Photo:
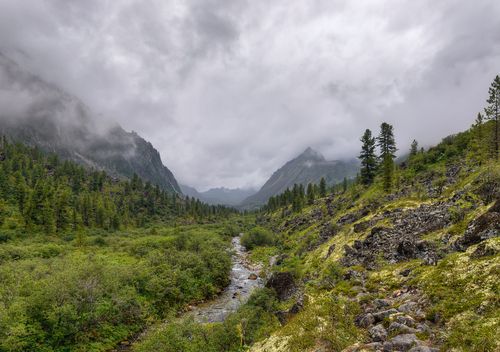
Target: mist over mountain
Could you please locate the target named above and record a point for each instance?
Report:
(220, 195)
(40, 114)
(308, 167)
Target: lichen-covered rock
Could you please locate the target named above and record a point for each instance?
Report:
(283, 283)
(423, 349)
(401, 242)
(485, 249)
(380, 316)
(378, 333)
(365, 320)
(404, 342)
(401, 328)
(484, 227)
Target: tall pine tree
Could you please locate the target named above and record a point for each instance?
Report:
(322, 187)
(387, 146)
(368, 158)
(493, 113)
(414, 148)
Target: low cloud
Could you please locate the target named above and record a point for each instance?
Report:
(229, 90)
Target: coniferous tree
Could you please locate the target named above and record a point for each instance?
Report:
(310, 193)
(322, 187)
(368, 158)
(478, 137)
(344, 185)
(387, 147)
(493, 113)
(414, 148)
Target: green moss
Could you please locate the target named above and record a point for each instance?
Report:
(327, 319)
(464, 296)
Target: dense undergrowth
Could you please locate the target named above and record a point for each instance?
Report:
(88, 260)
(87, 294)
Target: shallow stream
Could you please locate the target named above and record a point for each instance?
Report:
(244, 279)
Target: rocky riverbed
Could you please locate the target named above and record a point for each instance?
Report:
(244, 279)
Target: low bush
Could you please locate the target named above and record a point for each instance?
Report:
(257, 237)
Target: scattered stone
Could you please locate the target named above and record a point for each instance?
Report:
(484, 227)
(365, 320)
(485, 249)
(283, 283)
(330, 251)
(327, 231)
(378, 333)
(408, 307)
(387, 347)
(374, 346)
(297, 306)
(401, 328)
(401, 242)
(423, 328)
(404, 342)
(405, 320)
(364, 225)
(423, 349)
(384, 314)
(381, 303)
(252, 276)
(405, 272)
(353, 274)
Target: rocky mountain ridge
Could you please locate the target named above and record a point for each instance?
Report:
(220, 195)
(308, 167)
(58, 122)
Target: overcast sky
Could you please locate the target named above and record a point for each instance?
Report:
(228, 90)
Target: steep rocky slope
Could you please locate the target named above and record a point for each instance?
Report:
(47, 117)
(308, 167)
(414, 270)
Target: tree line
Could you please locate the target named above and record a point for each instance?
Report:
(42, 192)
(485, 142)
(377, 156)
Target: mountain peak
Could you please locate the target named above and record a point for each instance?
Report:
(312, 154)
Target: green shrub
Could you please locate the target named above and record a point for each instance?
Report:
(257, 237)
(4, 237)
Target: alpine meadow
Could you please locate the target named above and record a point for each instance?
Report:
(229, 176)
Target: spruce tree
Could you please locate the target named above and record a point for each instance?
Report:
(310, 194)
(368, 158)
(387, 147)
(493, 113)
(322, 187)
(414, 148)
(478, 136)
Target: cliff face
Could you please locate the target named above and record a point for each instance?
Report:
(40, 114)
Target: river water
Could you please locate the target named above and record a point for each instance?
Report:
(244, 279)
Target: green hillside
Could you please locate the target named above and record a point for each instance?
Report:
(403, 258)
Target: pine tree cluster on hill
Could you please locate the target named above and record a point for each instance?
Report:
(43, 193)
(479, 144)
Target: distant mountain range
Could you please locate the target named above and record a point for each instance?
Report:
(40, 114)
(308, 167)
(226, 196)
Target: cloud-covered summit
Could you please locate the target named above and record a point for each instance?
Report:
(229, 90)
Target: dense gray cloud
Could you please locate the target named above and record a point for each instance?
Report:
(228, 90)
